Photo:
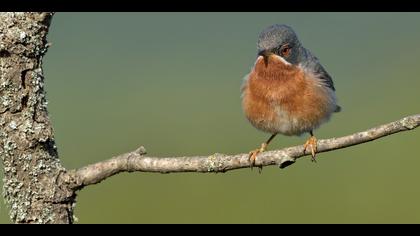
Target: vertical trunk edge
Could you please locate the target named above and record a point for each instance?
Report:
(36, 186)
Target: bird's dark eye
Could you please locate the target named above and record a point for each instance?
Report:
(285, 51)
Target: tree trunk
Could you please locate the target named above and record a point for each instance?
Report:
(33, 175)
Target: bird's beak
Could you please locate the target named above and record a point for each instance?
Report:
(266, 54)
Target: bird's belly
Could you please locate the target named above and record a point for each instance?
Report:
(289, 113)
(275, 118)
(292, 123)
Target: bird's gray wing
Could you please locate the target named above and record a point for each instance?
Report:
(311, 62)
(324, 76)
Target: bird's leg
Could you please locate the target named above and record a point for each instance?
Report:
(253, 154)
(312, 143)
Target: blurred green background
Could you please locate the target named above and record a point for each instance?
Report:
(170, 82)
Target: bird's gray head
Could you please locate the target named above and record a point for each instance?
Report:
(280, 40)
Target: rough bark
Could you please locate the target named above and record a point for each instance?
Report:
(37, 187)
(31, 184)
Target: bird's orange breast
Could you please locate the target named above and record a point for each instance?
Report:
(282, 98)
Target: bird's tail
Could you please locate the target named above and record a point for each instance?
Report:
(337, 109)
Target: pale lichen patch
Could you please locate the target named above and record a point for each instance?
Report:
(409, 123)
(13, 124)
(214, 163)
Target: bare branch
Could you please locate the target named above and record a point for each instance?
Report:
(137, 161)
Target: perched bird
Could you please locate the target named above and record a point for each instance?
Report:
(287, 91)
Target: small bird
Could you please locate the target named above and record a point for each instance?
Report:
(287, 91)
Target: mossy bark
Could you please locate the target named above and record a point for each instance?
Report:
(34, 185)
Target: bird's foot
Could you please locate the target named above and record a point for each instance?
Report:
(253, 155)
(312, 144)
